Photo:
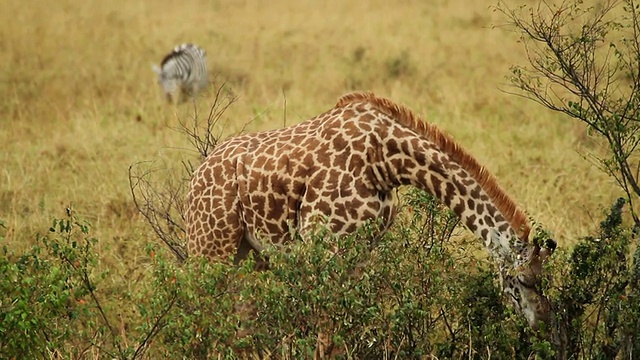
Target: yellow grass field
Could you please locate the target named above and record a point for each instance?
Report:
(80, 102)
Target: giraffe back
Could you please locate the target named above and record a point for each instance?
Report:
(261, 186)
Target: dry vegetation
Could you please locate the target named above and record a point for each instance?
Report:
(80, 102)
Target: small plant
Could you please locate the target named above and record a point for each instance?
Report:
(413, 294)
(48, 295)
(197, 300)
(50, 306)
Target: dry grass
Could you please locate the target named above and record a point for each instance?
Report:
(80, 103)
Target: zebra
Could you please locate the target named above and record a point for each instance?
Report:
(183, 73)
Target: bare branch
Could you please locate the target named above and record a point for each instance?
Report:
(163, 207)
(205, 137)
(159, 190)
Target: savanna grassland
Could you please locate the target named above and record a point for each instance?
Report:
(80, 103)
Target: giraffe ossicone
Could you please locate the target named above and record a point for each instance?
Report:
(342, 166)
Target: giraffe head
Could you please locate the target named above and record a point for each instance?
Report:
(522, 281)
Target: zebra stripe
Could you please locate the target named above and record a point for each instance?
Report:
(183, 73)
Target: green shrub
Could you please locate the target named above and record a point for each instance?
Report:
(45, 295)
(412, 293)
(196, 301)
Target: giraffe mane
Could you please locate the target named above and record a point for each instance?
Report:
(403, 115)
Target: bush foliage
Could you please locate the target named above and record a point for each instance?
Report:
(416, 293)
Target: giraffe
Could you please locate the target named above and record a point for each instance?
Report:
(341, 167)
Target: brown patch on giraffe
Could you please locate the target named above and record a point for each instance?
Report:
(278, 185)
(476, 191)
(339, 142)
(324, 156)
(397, 164)
(393, 147)
(276, 207)
(273, 228)
(467, 181)
(311, 194)
(355, 164)
(352, 131)
(347, 114)
(346, 192)
(398, 133)
(324, 207)
(338, 224)
(422, 174)
(329, 132)
(507, 206)
(351, 228)
(472, 224)
(461, 188)
(450, 191)
(258, 200)
(359, 146)
(368, 215)
(318, 177)
(409, 165)
(353, 206)
(218, 213)
(207, 175)
(407, 148)
(435, 180)
(436, 168)
(341, 159)
(471, 205)
(459, 208)
(489, 221)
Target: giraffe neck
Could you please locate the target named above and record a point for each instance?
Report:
(401, 149)
(408, 150)
(455, 188)
(417, 161)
